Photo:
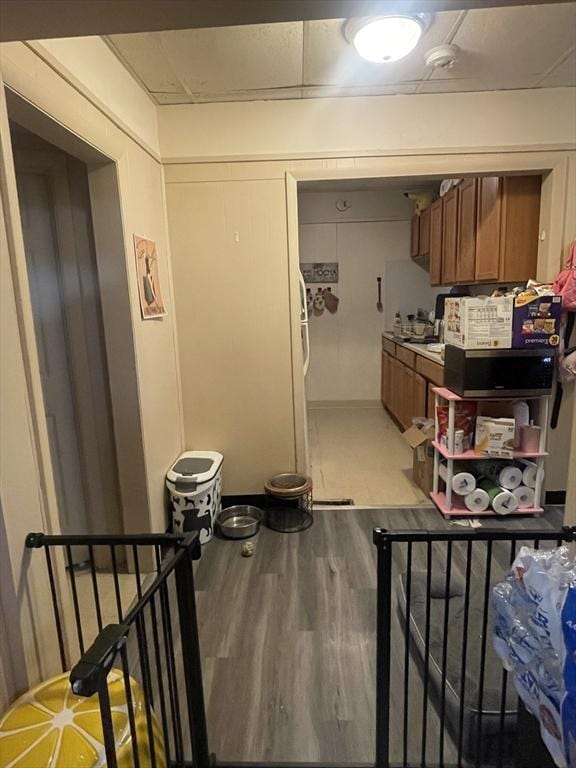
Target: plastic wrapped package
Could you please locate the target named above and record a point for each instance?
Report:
(535, 637)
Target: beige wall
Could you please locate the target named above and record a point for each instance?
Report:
(140, 180)
(215, 154)
(368, 125)
(89, 64)
(230, 264)
(27, 495)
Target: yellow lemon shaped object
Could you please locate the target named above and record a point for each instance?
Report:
(51, 727)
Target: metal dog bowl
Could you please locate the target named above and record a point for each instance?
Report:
(240, 521)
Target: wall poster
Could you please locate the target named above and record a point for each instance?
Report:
(151, 302)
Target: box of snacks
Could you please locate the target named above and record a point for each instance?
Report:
(536, 318)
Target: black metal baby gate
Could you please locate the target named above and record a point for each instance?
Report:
(443, 700)
(153, 637)
(442, 696)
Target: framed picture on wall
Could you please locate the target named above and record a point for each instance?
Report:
(151, 302)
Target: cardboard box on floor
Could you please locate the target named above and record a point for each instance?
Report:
(419, 438)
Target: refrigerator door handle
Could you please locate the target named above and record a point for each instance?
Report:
(303, 302)
(306, 346)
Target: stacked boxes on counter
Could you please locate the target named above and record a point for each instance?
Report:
(523, 319)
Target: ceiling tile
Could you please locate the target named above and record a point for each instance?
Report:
(563, 74)
(330, 60)
(500, 45)
(236, 58)
(144, 56)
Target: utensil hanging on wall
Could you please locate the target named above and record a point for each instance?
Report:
(379, 305)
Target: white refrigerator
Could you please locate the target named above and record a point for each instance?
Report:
(304, 327)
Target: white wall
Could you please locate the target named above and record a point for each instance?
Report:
(371, 239)
(368, 124)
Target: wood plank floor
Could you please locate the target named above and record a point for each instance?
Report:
(288, 641)
(359, 453)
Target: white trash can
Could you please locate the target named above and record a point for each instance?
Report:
(194, 484)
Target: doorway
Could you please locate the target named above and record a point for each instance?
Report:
(66, 306)
(354, 255)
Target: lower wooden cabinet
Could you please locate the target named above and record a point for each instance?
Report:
(420, 395)
(405, 391)
(431, 401)
(407, 395)
(385, 383)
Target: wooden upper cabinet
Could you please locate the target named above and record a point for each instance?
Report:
(507, 228)
(415, 237)
(519, 228)
(489, 228)
(436, 242)
(450, 236)
(424, 233)
(466, 248)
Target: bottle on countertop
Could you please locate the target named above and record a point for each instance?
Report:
(397, 325)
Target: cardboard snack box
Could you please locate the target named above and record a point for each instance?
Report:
(479, 322)
(536, 322)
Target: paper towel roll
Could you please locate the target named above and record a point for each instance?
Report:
(477, 501)
(525, 496)
(462, 482)
(502, 500)
(529, 472)
(508, 476)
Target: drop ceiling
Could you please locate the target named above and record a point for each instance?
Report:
(501, 48)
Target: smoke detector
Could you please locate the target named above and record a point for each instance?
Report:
(442, 56)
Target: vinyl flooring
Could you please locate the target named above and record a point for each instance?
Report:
(359, 453)
(288, 641)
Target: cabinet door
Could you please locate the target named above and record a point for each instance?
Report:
(395, 388)
(431, 404)
(466, 250)
(420, 392)
(385, 383)
(436, 242)
(407, 396)
(449, 236)
(424, 233)
(415, 237)
(488, 228)
(520, 224)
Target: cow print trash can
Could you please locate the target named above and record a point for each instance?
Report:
(194, 484)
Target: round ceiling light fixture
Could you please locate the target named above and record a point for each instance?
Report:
(384, 39)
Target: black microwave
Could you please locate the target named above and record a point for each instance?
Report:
(494, 372)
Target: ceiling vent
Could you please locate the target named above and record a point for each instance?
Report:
(442, 56)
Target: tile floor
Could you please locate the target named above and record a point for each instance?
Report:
(357, 452)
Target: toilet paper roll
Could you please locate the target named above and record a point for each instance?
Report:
(463, 483)
(529, 472)
(525, 496)
(507, 476)
(502, 500)
(477, 501)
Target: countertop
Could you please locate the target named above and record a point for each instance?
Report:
(420, 349)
